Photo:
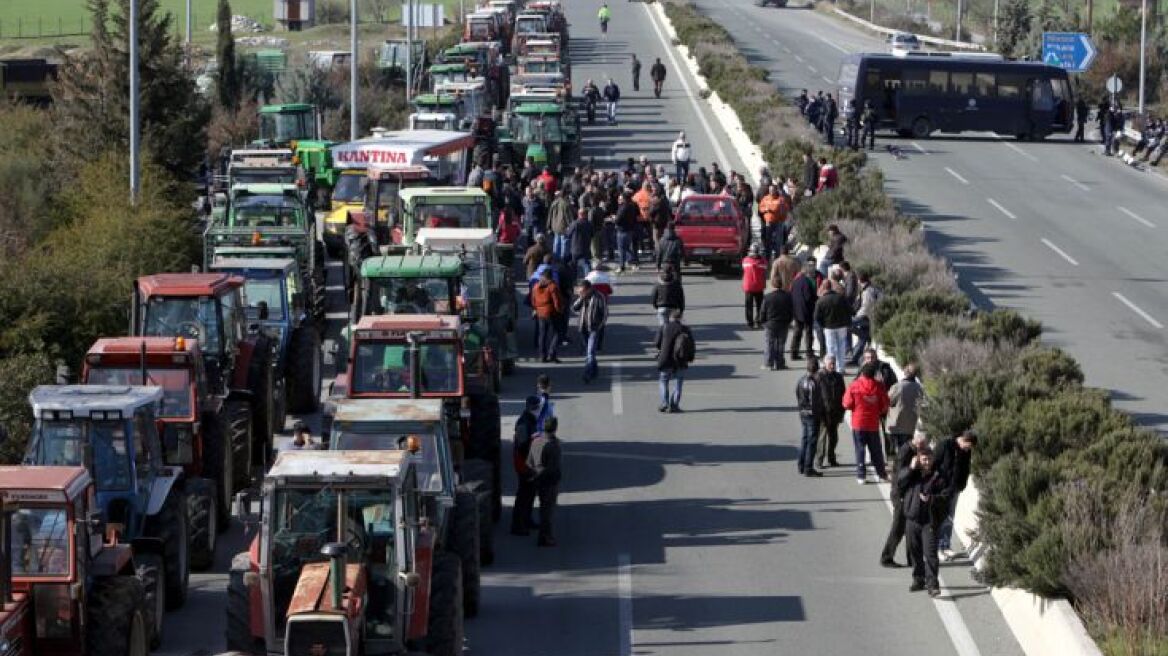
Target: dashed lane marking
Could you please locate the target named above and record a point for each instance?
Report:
(1001, 209)
(1061, 253)
(1135, 308)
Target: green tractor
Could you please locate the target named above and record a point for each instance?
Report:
(546, 132)
(298, 126)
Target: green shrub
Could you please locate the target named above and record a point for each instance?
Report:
(903, 333)
(924, 301)
(1002, 326)
(1135, 456)
(1048, 369)
(18, 375)
(956, 399)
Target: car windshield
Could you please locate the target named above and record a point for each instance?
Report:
(304, 520)
(193, 318)
(384, 367)
(60, 443)
(352, 436)
(175, 384)
(452, 216)
(408, 296)
(39, 542)
(707, 212)
(350, 187)
(265, 290)
(265, 211)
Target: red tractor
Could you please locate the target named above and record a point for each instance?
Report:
(239, 360)
(201, 432)
(64, 591)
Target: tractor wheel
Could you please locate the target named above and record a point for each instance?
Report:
(444, 634)
(170, 526)
(217, 463)
(116, 624)
(239, 436)
(149, 568)
(264, 388)
(509, 367)
(476, 477)
(303, 377)
(204, 518)
(486, 443)
(239, 637)
(463, 541)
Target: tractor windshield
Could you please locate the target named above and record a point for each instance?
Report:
(452, 216)
(61, 442)
(350, 187)
(379, 436)
(39, 542)
(266, 290)
(262, 176)
(175, 384)
(286, 126)
(193, 318)
(265, 211)
(537, 129)
(304, 520)
(408, 296)
(384, 367)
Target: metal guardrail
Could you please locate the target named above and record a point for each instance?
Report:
(923, 38)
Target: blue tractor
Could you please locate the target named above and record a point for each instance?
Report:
(112, 431)
(274, 295)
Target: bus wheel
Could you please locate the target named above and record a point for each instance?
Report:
(921, 128)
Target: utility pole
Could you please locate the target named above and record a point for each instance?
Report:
(408, 5)
(1143, 49)
(135, 181)
(958, 21)
(188, 39)
(996, 22)
(1090, 14)
(352, 70)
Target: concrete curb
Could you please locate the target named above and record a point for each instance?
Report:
(1042, 627)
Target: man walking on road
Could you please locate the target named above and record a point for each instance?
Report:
(868, 402)
(548, 305)
(754, 275)
(668, 296)
(1081, 112)
(627, 218)
(675, 346)
(545, 460)
(831, 383)
(803, 295)
(681, 154)
(612, 95)
(953, 460)
(670, 249)
(560, 216)
(775, 318)
(903, 403)
(835, 317)
(636, 71)
(593, 310)
(809, 399)
(657, 72)
(904, 456)
(921, 487)
(784, 269)
(579, 239)
(526, 427)
(604, 15)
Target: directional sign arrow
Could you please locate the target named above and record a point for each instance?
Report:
(1088, 52)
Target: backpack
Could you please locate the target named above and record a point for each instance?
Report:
(684, 349)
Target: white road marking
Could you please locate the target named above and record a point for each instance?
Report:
(957, 175)
(685, 85)
(918, 147)
(618, 402)
(798, 59)
(1135, 308)
(1075, 182)
(833, 45)
(775, 41)
(1002, 209)
(337, 316)
(1021, 152)
(1137, 217)
(828, 80)
(1061, 252)
(812, 69)
(624, 582)
(786, 50)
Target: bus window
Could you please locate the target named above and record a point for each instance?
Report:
(1041, 97)
(961, 84)
(938, 81)
(1010, 86)
(916, 83)
(984, 82)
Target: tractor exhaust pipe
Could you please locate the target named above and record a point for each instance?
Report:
(335, 552)
(135, 309)
(142, 363)
(415, 354)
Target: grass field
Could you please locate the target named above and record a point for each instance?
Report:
(52, 17)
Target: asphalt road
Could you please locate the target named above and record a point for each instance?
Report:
(1052, 229)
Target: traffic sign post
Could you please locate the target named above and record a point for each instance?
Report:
(1114, 86)
(1073, 51)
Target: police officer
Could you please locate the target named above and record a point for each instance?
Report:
(868, 122)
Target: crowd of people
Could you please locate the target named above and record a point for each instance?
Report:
(822, 111)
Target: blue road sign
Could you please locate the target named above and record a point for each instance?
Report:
(1073, 51)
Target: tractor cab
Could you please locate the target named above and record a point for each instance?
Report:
(402, 356)
(410, 284)
(283, 125)
(444, 207)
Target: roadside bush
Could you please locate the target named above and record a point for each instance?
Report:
(27, 171)
(944, 354)
(1001, 326)
(957, 398)
(896, 257)
(860, 197)
(1131, 455)
(1048, 369)
(921, 301)
(903, 333)
(18, 375)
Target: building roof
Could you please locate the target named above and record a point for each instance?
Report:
(411, 266)
(387, 410)
(84, 399)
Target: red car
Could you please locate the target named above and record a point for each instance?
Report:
(713, 230)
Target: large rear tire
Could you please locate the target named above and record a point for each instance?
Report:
(116, 625)
(170, 526)
(149, 568)
(217, 464)
(485, 443)
(204, 518)
(476, 478)
(444, 635)
(239, 436)
(303, 377)
(264, 389)
(464, 542)
(239, 637)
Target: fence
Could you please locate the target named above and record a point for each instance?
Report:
(40, 27)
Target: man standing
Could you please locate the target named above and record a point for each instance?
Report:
(868, 123)
(809, 399)
(681, 154)
(784, 270)
(831, 383)
(675, 350)
(1081, 112)
(803, 295)
(545, 460)
(579, 238)
(636, 73)
(670, 250)
(862, 322)
(835, 317)
(533, 215)
(534, 255)
(754, 275)
(526, 427)
(921, 487)
(593, 311)
(772, 212)
(627, 217)
(835, 247)
(830, 115)
(548, 305)
(559, 218)
(658, 75)
(904, 456)
(775, 318)
(953, 458)
(868, 402)
(903, 402)
(612, 96)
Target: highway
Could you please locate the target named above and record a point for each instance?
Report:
(1052, 229)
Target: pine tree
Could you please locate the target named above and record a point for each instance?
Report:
(1014, 27)
(228, 83)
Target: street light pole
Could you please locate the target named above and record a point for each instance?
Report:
(135, 180)
(1143, 49)
(958, 21)
(352, 70)
(188, 39)
(408, 5)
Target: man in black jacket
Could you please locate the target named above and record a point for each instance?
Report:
(668, 295)
(670, 249)
(669, 366)
(579, 238)
(903, 459)
(804, 291)
(546, 463)
(834, 314)
(922, 488)
(953, 455)
(832, 385)
(593, 311)
(777, 312)
(809, 399)
(627, 216)
(526, 426)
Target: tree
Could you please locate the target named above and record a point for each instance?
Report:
(92, 96)
(227, 83)
(1014, 26)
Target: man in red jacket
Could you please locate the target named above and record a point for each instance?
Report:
(754, 275)
(868, 401)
